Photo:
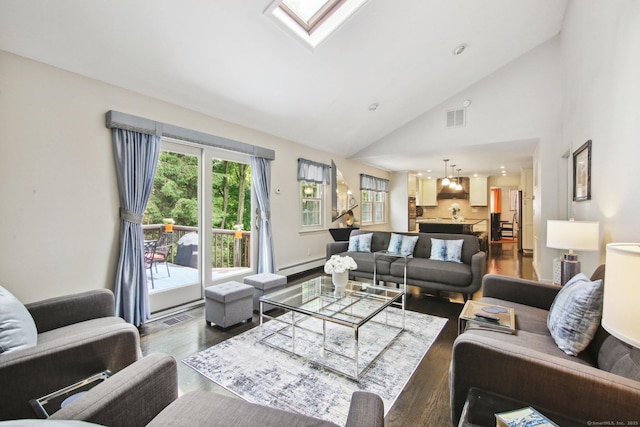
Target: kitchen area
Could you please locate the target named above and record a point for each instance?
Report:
(471, 205)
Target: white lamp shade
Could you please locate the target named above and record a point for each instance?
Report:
(620, 315)
(573, 235)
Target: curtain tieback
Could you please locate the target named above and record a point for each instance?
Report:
(130, 216)
(265, 215)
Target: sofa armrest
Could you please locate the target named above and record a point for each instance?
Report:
(51, 365)
(555, 383)
(522, 291)
(478, 269)
(336, 248)
(366, 410)
(132, 397)
(61, 311)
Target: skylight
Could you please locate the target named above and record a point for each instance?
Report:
(312, 21)
(309, 14)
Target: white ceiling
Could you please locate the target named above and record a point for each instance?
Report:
(226, 58)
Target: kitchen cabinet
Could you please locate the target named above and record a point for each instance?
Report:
(427, 192)
(478, 194)
(412, 214)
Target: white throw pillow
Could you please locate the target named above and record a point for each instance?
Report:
(17, 328)
(446, 250)
(360, 243)
(402, 244)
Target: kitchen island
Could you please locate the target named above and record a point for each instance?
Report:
(468, 226)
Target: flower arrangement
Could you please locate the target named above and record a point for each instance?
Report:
(339, 264)
(455, 210)
(168, 221)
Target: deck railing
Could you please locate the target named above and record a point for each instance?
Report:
(227, 250)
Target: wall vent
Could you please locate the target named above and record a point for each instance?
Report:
(456, 118)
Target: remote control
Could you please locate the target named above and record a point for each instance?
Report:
(488, 317)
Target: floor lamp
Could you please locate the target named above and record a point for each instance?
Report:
(620, 314)
(572, 236)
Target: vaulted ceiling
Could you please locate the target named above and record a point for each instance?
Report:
(228, 59)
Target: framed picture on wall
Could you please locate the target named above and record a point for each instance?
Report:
(582, 173)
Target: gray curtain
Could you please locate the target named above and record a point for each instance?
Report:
(261, 177)
(368, 182)
(136, 156)
(311, 171)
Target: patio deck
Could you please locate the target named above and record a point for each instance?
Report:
(180, 275)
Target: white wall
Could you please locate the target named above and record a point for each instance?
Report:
(59, 208)
(601, 65)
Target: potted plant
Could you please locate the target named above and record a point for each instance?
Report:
(168, 224)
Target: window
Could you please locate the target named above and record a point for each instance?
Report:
(312, 206)
(312, 21)
(373, 196)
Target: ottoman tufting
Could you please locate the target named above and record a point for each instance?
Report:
(228, 303)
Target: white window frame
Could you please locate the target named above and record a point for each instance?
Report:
(319, 199)
(374, 205)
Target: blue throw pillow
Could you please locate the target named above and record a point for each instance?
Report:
(17, 328)
(575, 314)
(402, 244)
(360, 243)
(446, 250)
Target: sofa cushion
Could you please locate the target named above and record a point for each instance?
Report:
(360, 243)
(619, 358)
(17, 328)
(446, 250)
(575, 314)
(428, 270)
(402, 244)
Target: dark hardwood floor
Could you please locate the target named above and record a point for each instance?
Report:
(425, 399)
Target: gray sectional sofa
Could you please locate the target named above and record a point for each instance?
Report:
(600, 385)
(464, 277)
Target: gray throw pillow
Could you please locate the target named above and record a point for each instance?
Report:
(575, 314)
(17, 328)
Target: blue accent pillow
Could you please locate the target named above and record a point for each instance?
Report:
(446, 250)
(360, 243)
(575, 314)
(17, 328)
(402, 244)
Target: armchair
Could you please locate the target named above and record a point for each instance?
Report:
(146, 393)
(78, 335)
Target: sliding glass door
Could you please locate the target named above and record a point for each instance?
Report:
(201, 199)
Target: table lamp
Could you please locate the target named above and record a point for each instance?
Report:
(574, 236)
(620, 315)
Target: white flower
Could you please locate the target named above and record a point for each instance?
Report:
(339, 264)
(455, 209)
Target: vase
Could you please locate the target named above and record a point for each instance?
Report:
(339, 281)
(454, 218)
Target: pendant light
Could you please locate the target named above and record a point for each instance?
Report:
(445, 180)
(452, 184)
(459, 185)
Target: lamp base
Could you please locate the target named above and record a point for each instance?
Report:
(569, 267)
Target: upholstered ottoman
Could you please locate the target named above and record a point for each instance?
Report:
(228, 303)
(264, 283)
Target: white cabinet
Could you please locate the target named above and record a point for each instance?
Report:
(411, 185)
(427, 192)
(478, 191)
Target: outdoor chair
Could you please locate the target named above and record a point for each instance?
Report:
(157, 252)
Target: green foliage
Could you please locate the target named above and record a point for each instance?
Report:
(175, 192)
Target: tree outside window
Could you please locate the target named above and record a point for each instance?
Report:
(311, 194)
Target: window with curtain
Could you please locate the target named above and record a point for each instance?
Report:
(373, 196)
(312, 179)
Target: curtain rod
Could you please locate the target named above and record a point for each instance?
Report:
(118, 120)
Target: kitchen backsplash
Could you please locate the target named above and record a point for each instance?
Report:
(442, 210)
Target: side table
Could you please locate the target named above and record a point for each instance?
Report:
(481, 406)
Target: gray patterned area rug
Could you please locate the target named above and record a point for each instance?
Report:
(261, 374)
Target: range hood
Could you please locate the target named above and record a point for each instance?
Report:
(448, 193)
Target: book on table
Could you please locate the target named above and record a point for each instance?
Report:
(523, 417)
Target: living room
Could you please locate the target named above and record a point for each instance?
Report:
(61, 204)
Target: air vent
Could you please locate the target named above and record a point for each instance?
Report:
(456, 118)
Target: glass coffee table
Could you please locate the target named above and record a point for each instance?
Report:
(345, 333)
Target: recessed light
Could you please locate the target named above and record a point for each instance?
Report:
(466, 102)
(374, 106)
(459, 49)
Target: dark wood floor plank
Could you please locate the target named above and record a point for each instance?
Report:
(425, 398)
